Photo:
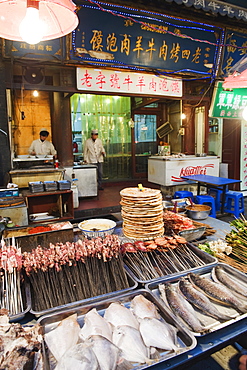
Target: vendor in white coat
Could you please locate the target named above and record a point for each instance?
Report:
(42, 146)
(94, 153)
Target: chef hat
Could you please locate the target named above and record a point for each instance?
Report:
(44, 132)
(94, 132)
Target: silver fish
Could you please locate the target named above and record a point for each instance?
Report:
(105, 351)
(156, 333)
(224, 278)
(94, 324)
(217, 292)
(80, 357)
(180, 306)
(129, 340)
(117, 315)
(200, 300)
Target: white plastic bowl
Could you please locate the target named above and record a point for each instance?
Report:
(97, 227)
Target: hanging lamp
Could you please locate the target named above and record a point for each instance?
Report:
(36, 20)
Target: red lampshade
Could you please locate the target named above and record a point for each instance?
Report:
(236, 80)
(58, 16)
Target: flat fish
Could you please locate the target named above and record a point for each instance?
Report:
(105, 351)
(118, 315)
(80, 357)
(129, 340)
(63, 337)
(180, 306)
(200, 300)
(95, 324)
(142, 307)
(223, 277)
(217, 292)
(156, 333)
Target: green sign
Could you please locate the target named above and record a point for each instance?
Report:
(228, 104)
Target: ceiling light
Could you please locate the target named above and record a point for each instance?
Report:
(36, 20)
(183, 116)
(35, 93)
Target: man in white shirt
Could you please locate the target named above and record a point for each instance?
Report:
(41, 146)
(94, 153)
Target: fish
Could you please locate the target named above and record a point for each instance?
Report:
(105, 351)
(223, 277)
(156, 333)
(142, 307)
(180, 306)
(80, 357)
(63, 337)
(217, 292)
(95, 324)
(200, 300)
(129, 340)
(117, 315)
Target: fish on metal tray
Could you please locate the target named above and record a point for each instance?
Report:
(117, 315)
(129, 340)
(63, 337)
(95, 324)
(217, 292)
(180, 306)
(220, 275)
(80, 356)
(200, 300)
(156, 333)
(142, 307)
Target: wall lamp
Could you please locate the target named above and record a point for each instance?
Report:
(33, 21)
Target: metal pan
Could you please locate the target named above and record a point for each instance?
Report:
(84, 302)
(208, 260)
(185, 339)
(210, 324)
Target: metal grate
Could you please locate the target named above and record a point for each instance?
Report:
(164, 130)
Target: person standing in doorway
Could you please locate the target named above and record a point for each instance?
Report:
(94, 153)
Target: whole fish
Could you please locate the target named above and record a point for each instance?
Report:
(224, 278)
(129, 340)
(80, 357)
(200, 300)
(156, 333)
(105, 351)
(217, 292)
(142, 307)
(94, 324)
(118, 315)
(63, 337)
(180, 306)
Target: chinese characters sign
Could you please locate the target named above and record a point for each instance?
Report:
(236, 48)
(127, 82)
(135, 40)
(52, 50)
(230, 8)
(229, 104)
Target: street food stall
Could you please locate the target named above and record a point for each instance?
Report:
(120, 286)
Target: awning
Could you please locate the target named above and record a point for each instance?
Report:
(231, 8)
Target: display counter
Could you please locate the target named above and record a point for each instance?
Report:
(167, 170)
(22, 177)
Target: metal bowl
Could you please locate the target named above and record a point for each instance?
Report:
(198, 211)
(97, 227)
(180, 210)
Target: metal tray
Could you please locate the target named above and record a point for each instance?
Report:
(207, 258)
(26, 302)
(84, 302)
(192, 234)
(211, 324)
(185, 339)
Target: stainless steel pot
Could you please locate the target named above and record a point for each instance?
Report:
(198, 211)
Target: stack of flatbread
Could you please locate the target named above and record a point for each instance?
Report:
(142, 213)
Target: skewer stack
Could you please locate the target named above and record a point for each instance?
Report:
(142, 213)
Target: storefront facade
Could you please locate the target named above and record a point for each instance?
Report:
(142, 42)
